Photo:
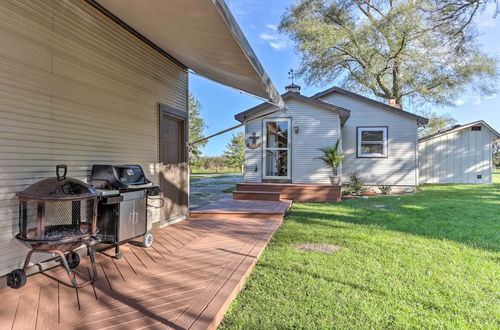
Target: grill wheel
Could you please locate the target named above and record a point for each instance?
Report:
(148, 240)
(16, 278)
(73, 259)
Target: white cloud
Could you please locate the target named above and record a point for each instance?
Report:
(479, 99)
(265, 36)
(278, 45)
(459, 102)
(487, 19)
(274, 39)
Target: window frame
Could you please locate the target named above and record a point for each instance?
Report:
(385, 142)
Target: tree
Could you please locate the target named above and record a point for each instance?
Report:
(496, 154)
(196, 127)
(235, 151)
(436, 123)
(420, 50)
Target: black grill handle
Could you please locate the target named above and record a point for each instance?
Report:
(58, 168)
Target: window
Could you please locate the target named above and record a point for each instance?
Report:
(476, 128)
(372, 142)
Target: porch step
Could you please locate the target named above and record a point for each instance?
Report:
(227, 208)
(297, 192)
(256, 195)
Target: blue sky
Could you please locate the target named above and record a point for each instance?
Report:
(258, 20)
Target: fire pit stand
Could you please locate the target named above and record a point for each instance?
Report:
(56, 216)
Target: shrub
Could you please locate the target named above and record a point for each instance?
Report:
(385, 189)
(355, 187)
(331, 157)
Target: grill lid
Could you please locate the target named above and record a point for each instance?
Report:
(59, 188)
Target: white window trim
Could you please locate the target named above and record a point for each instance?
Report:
(360, 154)
(264, 148)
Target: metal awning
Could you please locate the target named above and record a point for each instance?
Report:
(202, 35)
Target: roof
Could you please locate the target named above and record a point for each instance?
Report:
(420, 120)
(458, 128)
(201, 35)
(343, 113)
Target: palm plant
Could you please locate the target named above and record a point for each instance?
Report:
(331, 157)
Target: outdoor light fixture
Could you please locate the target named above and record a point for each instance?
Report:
(296, 128)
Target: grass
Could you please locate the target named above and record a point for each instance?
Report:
(202, 171)
(229, 190)
(428, 260)
(199, 177)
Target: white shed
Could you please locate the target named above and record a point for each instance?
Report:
(461, 154)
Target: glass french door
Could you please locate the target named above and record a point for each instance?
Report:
(276, 151)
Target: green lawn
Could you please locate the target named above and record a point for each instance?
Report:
(428, 260)
(227, 171)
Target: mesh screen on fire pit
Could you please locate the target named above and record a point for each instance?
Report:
(53, 220)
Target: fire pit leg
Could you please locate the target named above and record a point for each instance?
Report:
(27, 260)
(71, 275)
(91, 253)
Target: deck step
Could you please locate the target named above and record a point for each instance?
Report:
(241, 209)
(297, 192)
(256, 195)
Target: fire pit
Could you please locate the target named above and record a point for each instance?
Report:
(56, 216)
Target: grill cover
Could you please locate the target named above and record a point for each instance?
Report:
(119, 177)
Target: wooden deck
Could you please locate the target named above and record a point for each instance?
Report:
(185, 281)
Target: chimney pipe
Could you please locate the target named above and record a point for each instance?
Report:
(392, 103)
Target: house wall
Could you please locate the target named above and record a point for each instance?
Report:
(78, 89)
(318, 127)
(457, 157)
(400, 168)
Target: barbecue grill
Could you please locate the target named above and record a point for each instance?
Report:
(122, 211)
(56, 216)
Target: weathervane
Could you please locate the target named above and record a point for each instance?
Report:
(291, 75)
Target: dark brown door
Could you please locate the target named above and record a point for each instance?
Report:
(174, 170)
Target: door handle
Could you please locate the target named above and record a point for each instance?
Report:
(133, 217)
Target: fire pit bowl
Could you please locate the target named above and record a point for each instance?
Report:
(56, 216)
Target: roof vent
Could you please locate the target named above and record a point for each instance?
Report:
(293, 88)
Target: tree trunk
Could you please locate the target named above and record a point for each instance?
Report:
(397, 83)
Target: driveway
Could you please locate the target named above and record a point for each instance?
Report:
(205, 190)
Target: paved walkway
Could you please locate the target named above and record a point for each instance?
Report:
(185, 281)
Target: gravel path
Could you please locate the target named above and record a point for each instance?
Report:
(206, 190)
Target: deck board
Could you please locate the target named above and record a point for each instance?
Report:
(186, 281)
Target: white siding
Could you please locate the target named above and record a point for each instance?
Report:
(400, 167)
(457, 157)
(75, 88)
(318, 127)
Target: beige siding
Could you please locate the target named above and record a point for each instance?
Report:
(318, 127)
(400, 167)
(457, 157)
(75, 88)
